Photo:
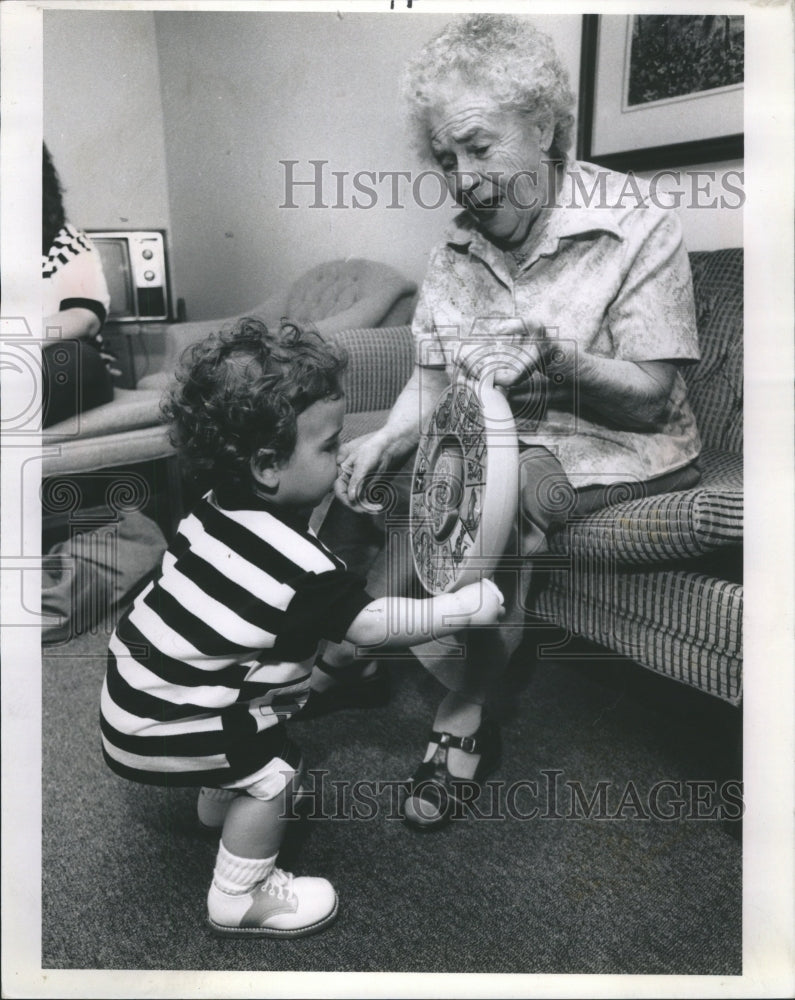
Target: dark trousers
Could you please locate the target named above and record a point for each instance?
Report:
(75, 379)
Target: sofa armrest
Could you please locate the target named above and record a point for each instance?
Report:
(347, 294)
(372, 309)
(180, 336)
(665, 527)
(380, 361)
(363, 314)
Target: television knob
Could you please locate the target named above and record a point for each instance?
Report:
(149, 275)
(147, 255)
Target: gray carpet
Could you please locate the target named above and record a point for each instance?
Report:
(125, 872)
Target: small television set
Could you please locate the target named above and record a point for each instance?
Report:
(136, 271)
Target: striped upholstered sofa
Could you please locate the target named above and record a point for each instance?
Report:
(658, 579)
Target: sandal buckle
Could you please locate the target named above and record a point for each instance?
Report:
(469, 744)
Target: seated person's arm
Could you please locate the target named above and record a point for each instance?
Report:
(629, 394)
(75, 323)
(411, 411)
(651, 317)
(376, 453)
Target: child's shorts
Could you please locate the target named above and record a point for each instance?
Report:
(272, 778)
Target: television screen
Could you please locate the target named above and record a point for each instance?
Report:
(114, 254)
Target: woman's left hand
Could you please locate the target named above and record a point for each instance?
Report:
(513, 351)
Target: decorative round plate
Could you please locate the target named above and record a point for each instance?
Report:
(464, 492)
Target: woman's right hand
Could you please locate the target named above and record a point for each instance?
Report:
(373, 454)
(511, 354)
(365, 456)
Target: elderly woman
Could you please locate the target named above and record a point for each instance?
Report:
(567, 283)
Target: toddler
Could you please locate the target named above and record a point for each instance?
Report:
(216, 653)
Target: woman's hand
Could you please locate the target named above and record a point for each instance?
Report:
(373, 454)
(513, 351)
(367, 455)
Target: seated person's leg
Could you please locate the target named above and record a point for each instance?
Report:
(75, 379)
(592, 498)
(470, 680)
(545, 497)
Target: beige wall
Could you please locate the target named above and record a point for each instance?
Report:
(244, 91)
(179, 120)
(103, 120)
(706, 227)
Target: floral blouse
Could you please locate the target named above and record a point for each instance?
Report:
(607, 271)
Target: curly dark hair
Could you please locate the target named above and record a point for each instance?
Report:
(241, 390)
(53, 216)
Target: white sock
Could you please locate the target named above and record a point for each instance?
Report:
(237, 876)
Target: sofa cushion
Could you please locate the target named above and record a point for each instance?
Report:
(380, 361)
(684, 625)
(668, 526)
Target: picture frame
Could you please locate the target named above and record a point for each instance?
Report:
(631, 119)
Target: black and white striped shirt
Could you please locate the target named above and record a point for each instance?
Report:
(219, 648)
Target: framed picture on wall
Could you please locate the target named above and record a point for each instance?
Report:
(661, 90)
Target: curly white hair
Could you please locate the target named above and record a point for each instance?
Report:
(508, 57)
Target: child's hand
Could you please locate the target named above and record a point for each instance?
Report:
(481, 602)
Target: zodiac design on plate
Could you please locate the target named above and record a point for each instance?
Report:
(464, 494)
